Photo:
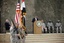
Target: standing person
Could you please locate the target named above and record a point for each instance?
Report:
(33, 20)
(7, 25)
(23, 34)
(44, 29)
(58, 26)
(15, 36)
(23, 20)
(50, 26)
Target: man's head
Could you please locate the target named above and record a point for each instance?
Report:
(7, 20)
(42, 20)
(50, 21)
(58, 21)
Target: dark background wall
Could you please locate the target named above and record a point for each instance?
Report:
(1, 2)
(50, 9)
(8, 11)
(44, 9)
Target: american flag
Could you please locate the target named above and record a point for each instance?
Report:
(18, 16)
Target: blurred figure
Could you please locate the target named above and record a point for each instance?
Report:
(14, 33)
(58, 26)
(50, 26)
(33, 20)
(23, 20)
(23, 34)
(7, 25)
(44, 29)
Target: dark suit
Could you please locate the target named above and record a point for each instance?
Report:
(33, 20)
(7, 25)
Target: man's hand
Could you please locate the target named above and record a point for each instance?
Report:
(18, 34)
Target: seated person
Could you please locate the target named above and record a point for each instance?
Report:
(44, 29)
(50, 26)
(58, 26)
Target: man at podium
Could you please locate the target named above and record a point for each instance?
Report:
(33, 20)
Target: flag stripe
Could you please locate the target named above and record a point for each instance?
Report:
(22, 0)
(16, 19)
(17, 15)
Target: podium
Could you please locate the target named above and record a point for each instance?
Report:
(37, 27)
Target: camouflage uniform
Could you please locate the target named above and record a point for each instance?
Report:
(13, 35)
(22, 33)
(50, 26)
(59, 26)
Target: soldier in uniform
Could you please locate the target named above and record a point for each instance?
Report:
(14, 33)
(50, 26)
(58, 26)
(23, 33)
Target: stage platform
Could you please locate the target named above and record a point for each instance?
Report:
(37, 38)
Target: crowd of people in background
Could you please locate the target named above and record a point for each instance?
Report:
(52, 28)
(49, 27)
